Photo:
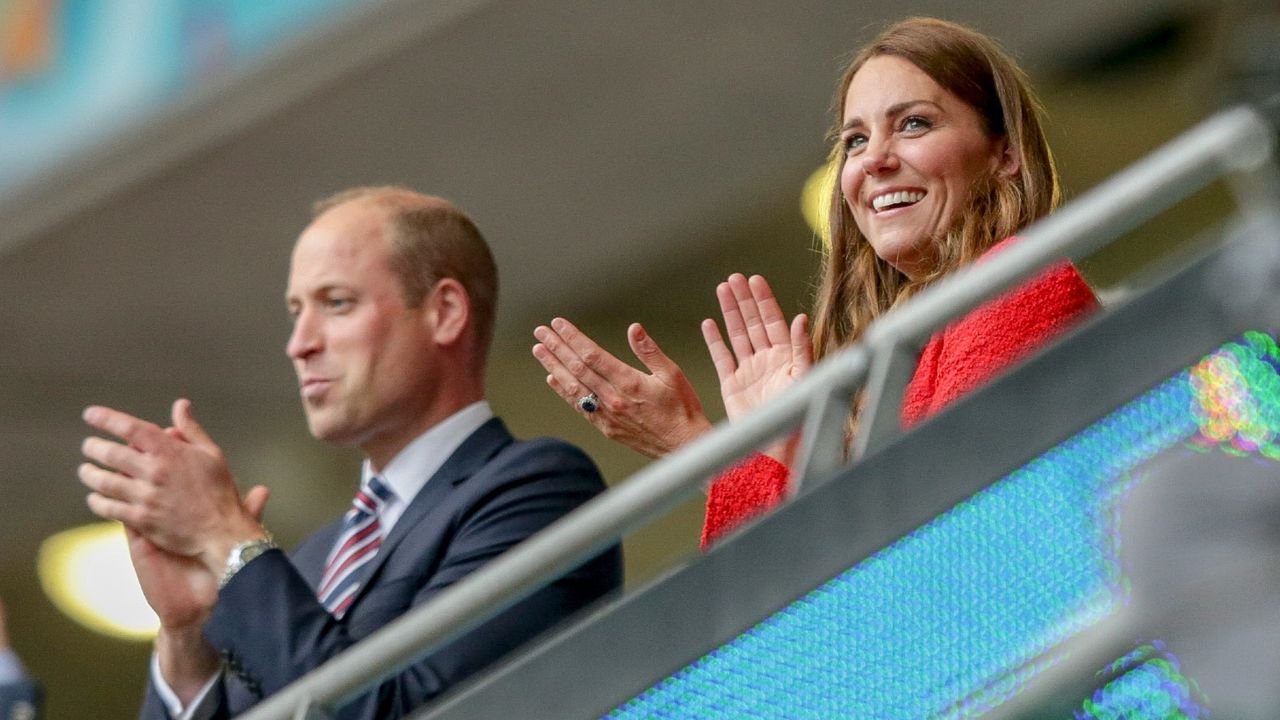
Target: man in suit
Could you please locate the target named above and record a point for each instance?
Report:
(392, 296)
(19, 696)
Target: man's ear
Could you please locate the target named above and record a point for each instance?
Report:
(449, 310)
(1007, 162)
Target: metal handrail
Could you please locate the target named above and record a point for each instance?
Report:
(1235, 141)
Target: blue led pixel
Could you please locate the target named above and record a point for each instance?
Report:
(951, 620)
(1149, 685)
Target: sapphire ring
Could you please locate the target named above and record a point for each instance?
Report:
(589, 403)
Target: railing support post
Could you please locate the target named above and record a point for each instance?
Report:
(893, 362)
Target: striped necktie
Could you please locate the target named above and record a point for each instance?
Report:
(357, 544)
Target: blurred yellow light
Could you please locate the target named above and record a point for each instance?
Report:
(815, 200)
(86, 572)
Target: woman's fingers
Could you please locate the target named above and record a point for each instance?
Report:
(563, 382)
(556, 383)
(773, 321)
(749, 311)
(648, 352)
(650, 413)
(801, 344)
(594, 358)
(576, 354)
(721, 356)
(734, 325)
(577, 366)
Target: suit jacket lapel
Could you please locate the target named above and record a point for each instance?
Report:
(466, 461)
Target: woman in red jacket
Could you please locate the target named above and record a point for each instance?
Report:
(941, 157)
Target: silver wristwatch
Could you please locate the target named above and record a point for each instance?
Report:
(242, 553)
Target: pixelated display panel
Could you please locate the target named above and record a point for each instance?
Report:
(1149, 685)
(952, 619)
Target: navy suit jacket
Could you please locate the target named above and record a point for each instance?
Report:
(492, 493)
(19, 701)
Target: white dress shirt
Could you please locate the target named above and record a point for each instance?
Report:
(405, 475)
(410, 469)
(11, 670)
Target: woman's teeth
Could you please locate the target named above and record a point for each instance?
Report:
(894, 199)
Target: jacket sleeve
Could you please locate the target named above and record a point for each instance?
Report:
(741, 493)
(210, 706)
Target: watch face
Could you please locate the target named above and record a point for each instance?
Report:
(250, 552)
(254, 549)
(245, 552)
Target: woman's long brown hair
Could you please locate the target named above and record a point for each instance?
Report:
(857, 286)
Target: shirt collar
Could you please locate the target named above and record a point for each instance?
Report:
(410, 469)
(11, 670)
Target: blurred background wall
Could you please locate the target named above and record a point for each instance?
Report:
(158, 158)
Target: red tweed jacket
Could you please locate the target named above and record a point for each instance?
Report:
(956, 360)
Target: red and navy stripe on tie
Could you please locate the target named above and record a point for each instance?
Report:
(357, 544)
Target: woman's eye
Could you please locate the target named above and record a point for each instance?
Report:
(854, 143)
(915, 123)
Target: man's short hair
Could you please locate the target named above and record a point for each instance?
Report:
(432, 239)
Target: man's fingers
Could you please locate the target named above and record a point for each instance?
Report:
(114, 455)
(255, 501)
(110, 484)
(139, 433)
(111, 509)
(185, 423)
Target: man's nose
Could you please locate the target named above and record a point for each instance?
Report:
(305, 338)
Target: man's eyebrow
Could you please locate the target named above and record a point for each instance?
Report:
(292, 297)
(895, 109)
(317, 291)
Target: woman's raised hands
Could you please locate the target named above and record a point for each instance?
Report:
(652, 414)
(656, 412)
(764, 355)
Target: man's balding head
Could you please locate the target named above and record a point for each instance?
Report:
(432, 239)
